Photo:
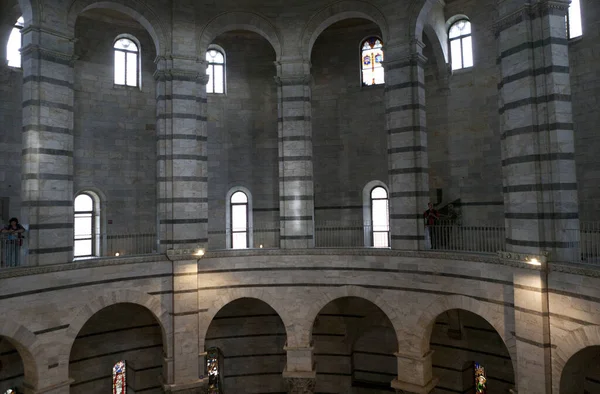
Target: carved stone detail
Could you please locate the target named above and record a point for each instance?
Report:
(300, 385)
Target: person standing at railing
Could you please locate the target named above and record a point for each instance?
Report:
(12, 241)
(431, 216)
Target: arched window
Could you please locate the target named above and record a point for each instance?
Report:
(574, 25)
(127, 62)
(239, 220)
(13, 48)
(461, 44)
(371, 59)
(216, 70)
(119, 378)
(214, 370)
(380, 217)
(85, 224)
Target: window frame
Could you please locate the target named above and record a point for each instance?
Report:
(92, 236)
(360, 63)
(246, 229)
(209, 64)
(568, 22)
(17, 27)
(138, 66)
(368, 213)
(460, 38)
(229, 222)
(373, 232)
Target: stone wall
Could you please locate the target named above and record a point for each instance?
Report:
(11, 366)
(115, 137)
(252, 338)
(121, 332)
(242, 137)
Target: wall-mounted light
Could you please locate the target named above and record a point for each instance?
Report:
(261, 246)
(117, 254)
(534, 261)
(199, 252)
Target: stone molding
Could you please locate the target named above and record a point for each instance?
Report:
(530, 11)
(300, 382)
(293, 80)
(33, 49)
(181, 75)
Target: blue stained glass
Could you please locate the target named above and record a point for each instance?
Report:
(480, 379)
(119, 382)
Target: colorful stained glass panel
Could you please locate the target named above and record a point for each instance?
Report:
(480, 379)
(119, 378)
(372, 62)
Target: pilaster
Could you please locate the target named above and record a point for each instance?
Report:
(407, 144)
(415, 374)
(538, 160)
(47, 156)
(182, 153)
(296, 191)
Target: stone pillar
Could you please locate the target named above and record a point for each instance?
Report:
(47, 156)
(186, 368)
(182, 156)
(300, 383)
(407, 143)
(533, 364)
(300, 374)
(538, 161)
(296, 192)
(415, 374)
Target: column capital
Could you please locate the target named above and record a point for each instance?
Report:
(300, 382)
(403, 54)
(181, 68)
(56, 388)
(56, 56)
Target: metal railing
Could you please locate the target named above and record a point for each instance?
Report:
(461, 238)
(252, 238)
(115, 245)
(587, 249)
(351, 235)
(12, 250)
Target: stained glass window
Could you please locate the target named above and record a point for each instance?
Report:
(480, 379)
(119, 378)
(215, 71)
(574, 25)
(126, 62)
(13, 47)
(372, 62)
(11, 391)
(380, 219)
(461, 44)
(239, 220)
(214, 368)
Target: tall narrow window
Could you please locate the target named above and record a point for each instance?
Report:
(380, 217)
(480, 379)
(214, 367)
(574, 24)
(215, 71)
(119, 378)
(84, 226)
(372, 61)
(461, 44)
(239, 220)
(13, 47)
(126, 62)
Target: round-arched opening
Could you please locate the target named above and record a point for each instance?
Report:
(245, 120)
(244, 345)
(354, 345)
(470, 355)
(581, 373)
(347, 116)
(127, 333)
(12, 372)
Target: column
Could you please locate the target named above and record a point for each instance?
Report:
(296, 193)
(533, 365)
(182, 154)
(47, 156)
(415, 374)
(407, 143)
(185, 369)
(300, 375)
(538, 161)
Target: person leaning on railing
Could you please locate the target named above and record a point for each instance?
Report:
(431, 216)
(12, 240)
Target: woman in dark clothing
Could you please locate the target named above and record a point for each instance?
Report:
(12, 240)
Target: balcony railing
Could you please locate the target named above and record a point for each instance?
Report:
(461, 238)
(115, 245)
(12, 250)
(351, 235)
(587, 250)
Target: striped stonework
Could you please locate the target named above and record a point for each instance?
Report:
(540, 187)
(47, 155)
(296, 193)
(407, 145)
(182, 158)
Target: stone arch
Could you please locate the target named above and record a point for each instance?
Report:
(138, 10)
(494, 314)
(222, 300)
(344, 9)
(418, 14)
(29, 349)
(303, 331)
(239, 20)
(95, 305)
(569, 346)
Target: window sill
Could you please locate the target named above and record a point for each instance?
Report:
(369, 87)
(127, 87)
(576, 40)
(463, 70)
